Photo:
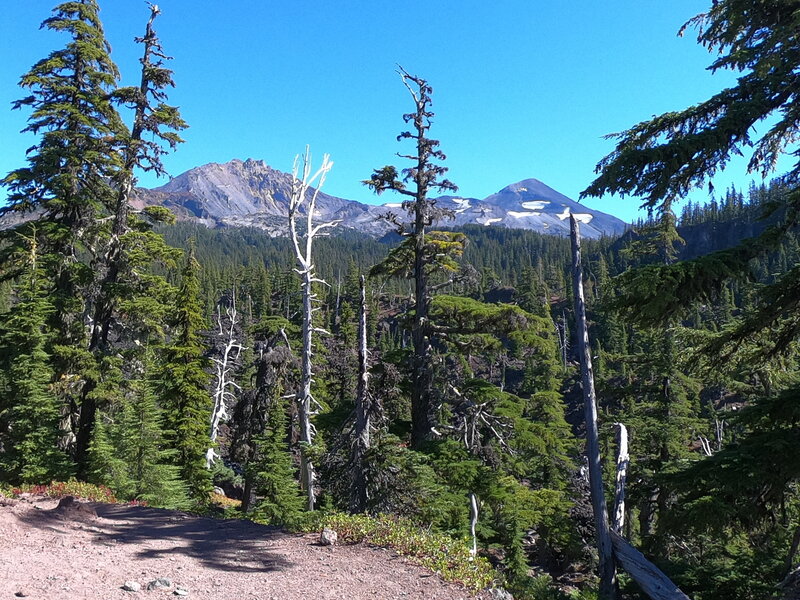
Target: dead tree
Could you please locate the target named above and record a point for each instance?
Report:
(608, 576)
(622, 471)
(653, 582)
(301, 197)
(363, 409)
(472, 422)
(224, 385)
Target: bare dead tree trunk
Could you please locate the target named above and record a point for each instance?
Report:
(223, 384)
(306, 404)
(719, 428)
(652, 581)
(473, 522)
(622, 471)
(608, 578)
(363, 408)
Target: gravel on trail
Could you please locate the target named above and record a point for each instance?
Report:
(91, 550)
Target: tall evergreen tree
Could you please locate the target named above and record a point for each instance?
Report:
(426, 176)
(662, 160)
(183, 384)
(68, 180)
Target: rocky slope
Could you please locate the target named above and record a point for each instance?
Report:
(250, 193)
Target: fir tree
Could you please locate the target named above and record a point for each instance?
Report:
(30, 411)
(69, 178)
(276, 484)
(183, 385)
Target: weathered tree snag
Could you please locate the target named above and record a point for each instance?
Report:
(473, 522)
(648, 577)
(223, 383)
(306, 405)
(622, 471)
(363, 409)
(608, 577)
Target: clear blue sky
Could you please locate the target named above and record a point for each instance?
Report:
(522, 88)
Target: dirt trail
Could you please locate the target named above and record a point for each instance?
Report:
(91, 550)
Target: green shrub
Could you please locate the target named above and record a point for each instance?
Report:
(442, 554)
(73, 487)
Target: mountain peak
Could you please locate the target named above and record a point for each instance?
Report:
(251, 193)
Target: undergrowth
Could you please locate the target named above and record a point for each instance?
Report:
(448, 557)
(73, 487)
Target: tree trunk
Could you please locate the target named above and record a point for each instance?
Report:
(422, 420)
(622, 471)
(473, 522)
(608, 579)
(363, 409)
(307, 471)
(303, 253)
(653, 582)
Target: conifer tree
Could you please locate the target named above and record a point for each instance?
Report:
(426, 176)
(30, 411)
(276, 484)
(130, 243)
(661, 160)
(69, 176)
(183, 384)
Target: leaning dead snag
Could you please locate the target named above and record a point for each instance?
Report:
(306, 404)
(653, 582)
(608, 576)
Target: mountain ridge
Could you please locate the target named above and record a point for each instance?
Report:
(250, 193)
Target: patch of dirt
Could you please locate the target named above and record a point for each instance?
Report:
(90, 550)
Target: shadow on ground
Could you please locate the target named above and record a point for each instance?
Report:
(221, 544)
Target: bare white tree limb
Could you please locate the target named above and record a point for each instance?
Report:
(223, 384)
(303, 244)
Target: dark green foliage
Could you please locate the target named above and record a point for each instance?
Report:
(183, 385)
(281, 499)
(129, 454)
(30, 413)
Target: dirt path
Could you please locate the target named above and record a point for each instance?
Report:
(48, 553)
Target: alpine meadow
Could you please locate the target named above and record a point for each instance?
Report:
(524, 411)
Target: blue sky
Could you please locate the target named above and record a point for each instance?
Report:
(522, 88)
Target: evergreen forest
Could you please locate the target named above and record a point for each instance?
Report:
(432, 375)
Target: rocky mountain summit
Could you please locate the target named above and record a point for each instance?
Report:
(252, 194)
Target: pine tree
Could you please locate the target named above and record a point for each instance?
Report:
(183, 385)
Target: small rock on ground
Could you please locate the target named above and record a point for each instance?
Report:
(328, 537)
(161, 582)
(131, 586)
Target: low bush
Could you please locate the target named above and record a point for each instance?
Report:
(448, 557)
